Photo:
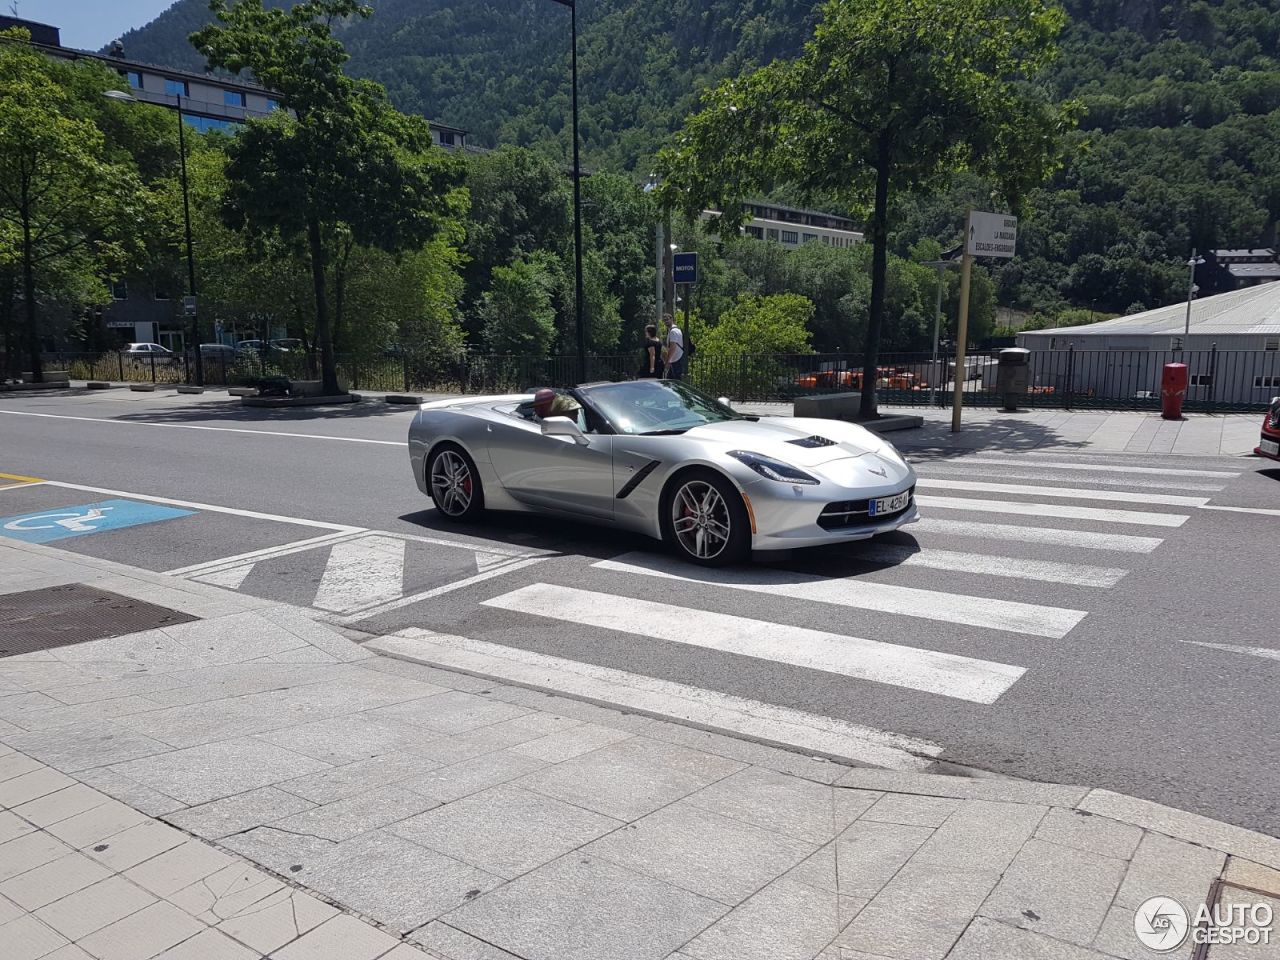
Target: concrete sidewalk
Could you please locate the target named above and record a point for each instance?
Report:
(254, 783)
(1069, 431)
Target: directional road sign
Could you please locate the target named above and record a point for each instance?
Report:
(991, 234)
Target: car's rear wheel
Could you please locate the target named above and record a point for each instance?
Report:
(454, 483)
(705, 520)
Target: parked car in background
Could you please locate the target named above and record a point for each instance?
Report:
(260, 346)
(287, 344)
(1269, 444)
(148, 352)
(218, 351)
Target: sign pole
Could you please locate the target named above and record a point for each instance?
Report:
(962, 328)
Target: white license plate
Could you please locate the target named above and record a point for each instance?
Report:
(892, 504)
(1270, 446)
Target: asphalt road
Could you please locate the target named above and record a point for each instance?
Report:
(1134, 650)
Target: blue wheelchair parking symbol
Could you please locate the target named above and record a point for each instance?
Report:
(63, 522)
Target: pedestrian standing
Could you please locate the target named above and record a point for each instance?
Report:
(675, 349)
(651, 365)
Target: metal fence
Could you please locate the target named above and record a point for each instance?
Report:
(1221, 380)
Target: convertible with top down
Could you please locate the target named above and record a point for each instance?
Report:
(663, 459)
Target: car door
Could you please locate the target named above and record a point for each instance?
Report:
(554, 473)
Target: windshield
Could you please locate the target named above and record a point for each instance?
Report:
(656, 406)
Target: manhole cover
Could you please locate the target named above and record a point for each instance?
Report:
(74, 613)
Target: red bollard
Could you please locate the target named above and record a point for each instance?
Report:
(1173, 389)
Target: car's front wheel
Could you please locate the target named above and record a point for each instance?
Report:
(454, 484)
(705, 520)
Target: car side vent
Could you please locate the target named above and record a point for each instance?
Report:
(813, 442)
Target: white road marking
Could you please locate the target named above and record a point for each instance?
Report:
(945, 468)
(693, 706)
(1055, 510)
(1007, 615)
(1081, 539)
(361, 573)
(25, 483)
(948, 675)
(1070, 493)
(250, 514)
(378, 610)
(1104, 468)
(231, 578)
(1263, 652)
(487, 561)
(192, 426)
(266, 553)
(1261, 511)
(1020, 568)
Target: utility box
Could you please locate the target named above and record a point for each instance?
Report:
(1013, 376)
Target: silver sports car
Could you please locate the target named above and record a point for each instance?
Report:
(663, 459)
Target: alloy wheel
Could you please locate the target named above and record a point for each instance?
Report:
(451, 483)
(701, 520)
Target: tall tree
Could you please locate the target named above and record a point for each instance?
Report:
(339, 163)
(66, 207)
(888, 96)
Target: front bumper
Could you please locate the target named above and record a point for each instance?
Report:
(786, 520)
(1268, 436)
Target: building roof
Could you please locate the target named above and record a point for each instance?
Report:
(1249, 271)
(1252, 310)
(1246, 254)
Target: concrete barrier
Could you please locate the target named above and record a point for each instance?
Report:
(848, 406)
(404, 398)
(97, 385)
(142, 387)
(243, 391)
(184, 388)
(299, 401)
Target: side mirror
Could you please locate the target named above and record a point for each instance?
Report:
(563, 427)
(724, 402)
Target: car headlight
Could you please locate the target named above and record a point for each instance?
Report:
(773, 469)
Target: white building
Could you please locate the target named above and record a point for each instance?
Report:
(792, 227)
(1232, 350)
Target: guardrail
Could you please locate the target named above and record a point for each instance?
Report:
(1222, 380)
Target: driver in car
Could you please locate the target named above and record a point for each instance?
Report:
(549, 403)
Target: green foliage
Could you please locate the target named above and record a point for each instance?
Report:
(769, 324)
(67, 204)
(890, 96)
(517, 311)
(340, 168)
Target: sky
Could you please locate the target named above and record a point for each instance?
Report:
(88, 24)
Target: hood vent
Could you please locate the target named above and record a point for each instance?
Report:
(813, 442)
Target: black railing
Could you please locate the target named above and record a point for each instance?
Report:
(1068, 379)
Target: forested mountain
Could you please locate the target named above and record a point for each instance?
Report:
(1178, 147)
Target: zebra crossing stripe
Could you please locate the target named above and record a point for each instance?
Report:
(1020, 568)
(1071, 493)
(231, 577)
(691, 706)
(1100, 467)
(951, 468)
(948, 675)
(361, 573)
(1064, 511)
(1080, 539)
(1007, 615)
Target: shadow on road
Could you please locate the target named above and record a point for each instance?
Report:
(604, 543)
(231, 411)
(1006, 434)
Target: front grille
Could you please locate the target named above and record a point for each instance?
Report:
(844, 514)
(813, 442)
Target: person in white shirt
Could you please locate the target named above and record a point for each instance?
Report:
(675, 349)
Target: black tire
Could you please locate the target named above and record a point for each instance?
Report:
(454, 483)
(687, 493)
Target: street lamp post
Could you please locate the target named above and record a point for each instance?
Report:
(186, 220)
(941, 267)
(1191, 290)
(577, 194)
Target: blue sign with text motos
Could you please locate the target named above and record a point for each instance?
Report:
(62, 522)
(686, 267)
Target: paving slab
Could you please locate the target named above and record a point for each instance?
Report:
(505, 830)
(583, 908)
(786, 920)
(702, 852)
(1058, 891)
